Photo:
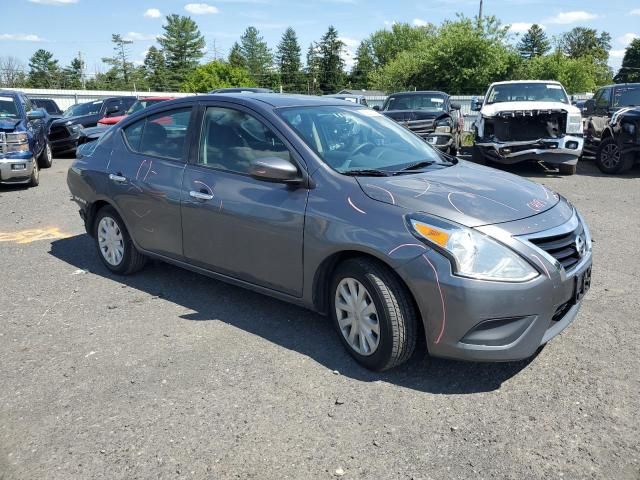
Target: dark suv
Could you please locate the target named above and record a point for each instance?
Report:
(612, 126)
(429, 114)
(64, 133)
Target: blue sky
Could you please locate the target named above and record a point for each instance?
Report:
(66, 27)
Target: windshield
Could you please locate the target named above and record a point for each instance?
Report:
(355, 138)
(527, 92)
(626, 96)
(428, 102)
(90, 108)
(8, 107)
(142, 104)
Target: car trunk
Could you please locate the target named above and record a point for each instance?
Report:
(515, 126)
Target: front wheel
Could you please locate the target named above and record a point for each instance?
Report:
(610, 160)
(34, 181)
(374, 314)
(117, 251)
(46, 157)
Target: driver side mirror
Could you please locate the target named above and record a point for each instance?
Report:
(588, 107)
(476, 104)
(274, 169)
(377, 108)
(35, 115)
(455, 106)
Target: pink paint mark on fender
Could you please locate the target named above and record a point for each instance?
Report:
(143, 215)
(140, 168)
(393, 200)
(541, 263)
(354, 207)
(536, 204)
(404, 245)
(425, 190)
(452, 204)
(444, 309)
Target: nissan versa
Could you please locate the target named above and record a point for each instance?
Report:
(337, 208)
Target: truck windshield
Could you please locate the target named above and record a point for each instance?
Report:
(429, 102)
(90, 108)
(8, 107)
(527, 92)
(626, 96)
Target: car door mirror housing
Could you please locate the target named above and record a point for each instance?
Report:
(275, 169)
(35, 115)
(377, 108)
(476, 104)
(455, 106)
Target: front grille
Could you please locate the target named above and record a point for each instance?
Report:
(564, 247)
(58, 132)
(421, 127)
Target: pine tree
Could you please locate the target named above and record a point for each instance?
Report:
(257, 55)
(331, 76)
(363, 66)
(313, 68)
(120, 61)
(288, 61)
(534, 43)
(43, 70)
(155, 69)
(630, 70)
(182, 45)
(73, 73)
(235, 58)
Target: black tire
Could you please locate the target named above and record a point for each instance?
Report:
(397, 318)
(45, 160)
(131, 260)
(609, 159)
(477, 156)
(564, 169)
(34, 181)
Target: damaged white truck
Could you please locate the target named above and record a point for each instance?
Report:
(528, 120)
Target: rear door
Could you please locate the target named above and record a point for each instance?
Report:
(145, 173)
(232, 223)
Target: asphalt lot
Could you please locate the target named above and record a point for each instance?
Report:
(168, 374)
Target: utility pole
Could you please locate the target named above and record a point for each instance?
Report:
(480, 15)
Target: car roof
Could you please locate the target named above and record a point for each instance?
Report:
(507, 82)
(631, 84)
(275, 100)
(343, 95)
(157, 98)
(10, 93)
(420, 92)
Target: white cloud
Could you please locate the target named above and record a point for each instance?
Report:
(137, 36)
(152, 13)
(200, 8)
(21, 37)
(418, 22)
(520, 27)
(54, 2)
(565, 18)
(627, 38)
(616, 53)
(635, 11)
(350, 42)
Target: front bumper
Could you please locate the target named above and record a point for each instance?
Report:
(65, 145)
(442, 141)
(16, 168)
(468, 319)
(565, 150)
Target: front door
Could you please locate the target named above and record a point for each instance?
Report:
(232, 223)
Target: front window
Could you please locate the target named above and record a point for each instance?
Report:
(527, 92)
(8, 107)
(627, 96)
(350, 139)
(81, 109)
(428, 102)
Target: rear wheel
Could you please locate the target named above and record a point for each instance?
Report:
(610, 160)
(117, 251)
(373, 313)
(564, 169)
(46, 157)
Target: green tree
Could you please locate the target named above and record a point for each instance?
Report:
(236, 59)
(387, 44)
(256, 54)
(331, 76)
(289, 62)
(44, 71)
(216, 74)
(313, 68)
(534, 43)
(582, 42)
(364, 65)
(120, 62)
(630, 69)
(73, 73)
(182, 45)
(578, 75)
(155, 69)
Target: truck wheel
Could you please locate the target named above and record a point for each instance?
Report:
(477, 156)
(373, 313)
(34, 181)
(609, 159)
(117, 251)
(564, 169)
(46, 157)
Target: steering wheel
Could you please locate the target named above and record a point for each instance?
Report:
(361, 148)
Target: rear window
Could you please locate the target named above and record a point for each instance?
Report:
(161, 135)
(626, 96)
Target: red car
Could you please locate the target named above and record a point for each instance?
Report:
(141, 103)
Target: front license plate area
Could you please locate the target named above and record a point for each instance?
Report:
(582, 285)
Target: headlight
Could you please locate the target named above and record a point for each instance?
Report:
(443, 126)
(574, 124)
(74, 128)
(472, 253)
(17, 137)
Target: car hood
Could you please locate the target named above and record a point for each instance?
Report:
(465, 193)
(408, 115)
(79, 120)
(9, 124)
(495, 108)
(626, 112)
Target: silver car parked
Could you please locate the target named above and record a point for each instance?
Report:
(337, 208)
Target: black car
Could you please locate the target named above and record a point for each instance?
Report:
(612, 126)
(429, 114)
(50, 106)
(64, 132)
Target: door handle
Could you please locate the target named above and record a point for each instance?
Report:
(200, 195)
(117, 178)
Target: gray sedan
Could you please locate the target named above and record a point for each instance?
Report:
(337, 208)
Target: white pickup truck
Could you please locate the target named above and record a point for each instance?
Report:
(528, 120)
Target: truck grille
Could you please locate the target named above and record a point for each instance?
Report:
(567, 248)
(420, 127)
(58, 132)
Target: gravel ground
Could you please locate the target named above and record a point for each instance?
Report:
(168, 374)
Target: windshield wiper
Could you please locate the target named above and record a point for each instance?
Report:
(417, 165)
(367, 173)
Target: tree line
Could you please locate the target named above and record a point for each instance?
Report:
(460, 56)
